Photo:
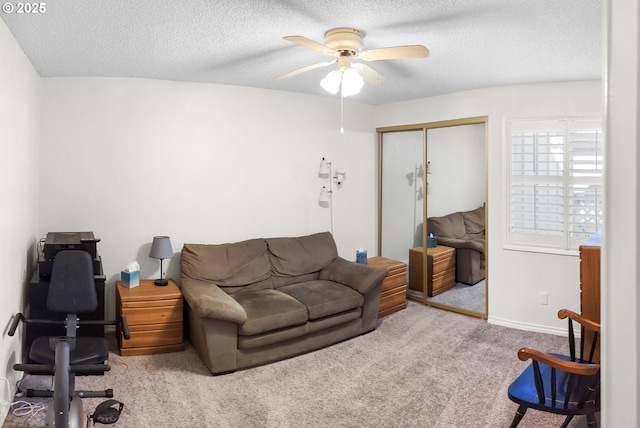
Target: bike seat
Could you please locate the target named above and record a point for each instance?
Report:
(88, 350)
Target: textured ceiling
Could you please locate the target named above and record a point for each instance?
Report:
(473, 43)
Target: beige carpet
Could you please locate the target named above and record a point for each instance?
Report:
(422, 367)
(469, 297)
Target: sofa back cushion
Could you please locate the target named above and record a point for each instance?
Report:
(474, 223)
(450, 226)
(301, 258)
(229, 266)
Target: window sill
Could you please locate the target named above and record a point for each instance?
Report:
(542, 250)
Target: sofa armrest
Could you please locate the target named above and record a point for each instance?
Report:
(361, 278)
(208, 300)
(477, 245)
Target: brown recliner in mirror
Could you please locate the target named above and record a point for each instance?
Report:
(464, 231)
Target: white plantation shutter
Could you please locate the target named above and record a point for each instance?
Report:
(555, 181)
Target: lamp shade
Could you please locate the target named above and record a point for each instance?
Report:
(324, 194)
(161, 248)
(325, 169)
(331, 83)
(352, 82)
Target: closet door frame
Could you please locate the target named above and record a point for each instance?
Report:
(425, 127)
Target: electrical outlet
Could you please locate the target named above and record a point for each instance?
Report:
(544, 298)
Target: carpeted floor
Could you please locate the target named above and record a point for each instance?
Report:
(470, 297)
(422, 367)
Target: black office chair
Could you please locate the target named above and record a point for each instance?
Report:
(71, 291)
(561, 384)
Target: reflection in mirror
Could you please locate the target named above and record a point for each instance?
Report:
(402, 207)
(456, 216)
(436, 172)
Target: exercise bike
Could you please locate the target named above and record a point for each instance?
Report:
(71, 291)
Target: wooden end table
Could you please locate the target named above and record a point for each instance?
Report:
(394, 287)
(442, 265)
(154, 317)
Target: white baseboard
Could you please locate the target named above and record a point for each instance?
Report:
(528, 327)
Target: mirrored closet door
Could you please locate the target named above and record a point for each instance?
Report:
(432, 210)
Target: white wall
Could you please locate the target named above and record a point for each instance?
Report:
(515, 278)
(621, 235)
(20, 95)
(457, 181)
(131, 158)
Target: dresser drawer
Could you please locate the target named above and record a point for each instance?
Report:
(441, 282)
(443, 263)
(149, 341)
(160, 336)
(152, 313)
(394, 281)
(393, 298)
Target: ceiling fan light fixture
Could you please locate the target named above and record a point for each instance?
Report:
(352, 82)
(331, 83)
(345, 45)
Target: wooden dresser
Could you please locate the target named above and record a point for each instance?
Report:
(394, 287)
(590, 282)
(441, 261)
(154, 317)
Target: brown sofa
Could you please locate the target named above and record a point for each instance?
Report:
(262, 300)
(464, 231)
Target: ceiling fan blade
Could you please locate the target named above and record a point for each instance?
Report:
(399, 52)
(371, 76)
(311, 44)
(305, 69)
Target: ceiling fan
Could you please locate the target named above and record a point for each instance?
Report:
(345, 44)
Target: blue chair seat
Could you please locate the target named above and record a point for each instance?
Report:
(523, 390)
(561, 384)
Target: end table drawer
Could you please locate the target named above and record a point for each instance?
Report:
(441, 282)
(154, 314)
(393, 298)
(156, 337)
(394, 281)
(441, 264)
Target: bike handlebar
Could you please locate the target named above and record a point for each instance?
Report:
(125, 327)
(14, 324)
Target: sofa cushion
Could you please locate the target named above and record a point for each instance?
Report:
(334, 320)
(474, 223)
(450, 226)
(292, 257)
(227, 265)
(324, 298)
(480, 212)
(273, 337)
(269, 310)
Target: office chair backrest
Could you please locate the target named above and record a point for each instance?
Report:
(72, 287)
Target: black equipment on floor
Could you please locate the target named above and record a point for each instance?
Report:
(72, 292)
(38, 288)
(60, 241)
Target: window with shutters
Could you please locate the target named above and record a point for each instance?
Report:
(555, 181)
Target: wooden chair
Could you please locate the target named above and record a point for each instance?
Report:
(561, 384)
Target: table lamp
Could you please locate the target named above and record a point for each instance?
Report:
(161, 249)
